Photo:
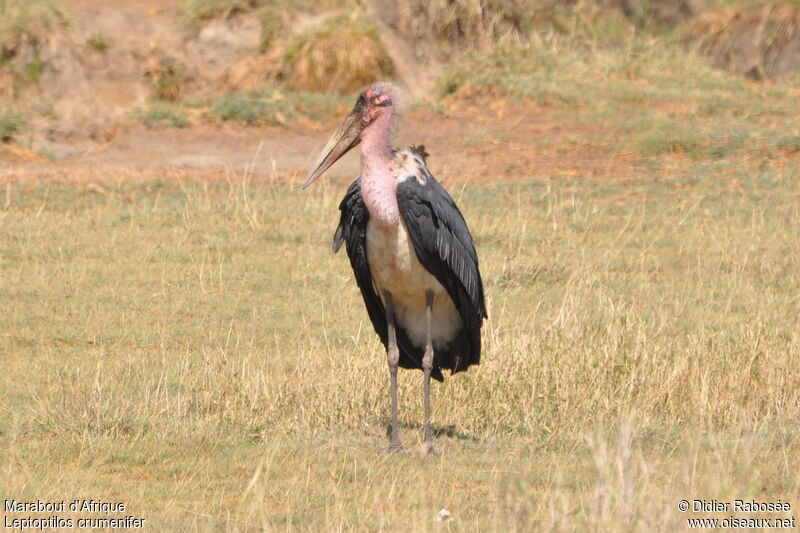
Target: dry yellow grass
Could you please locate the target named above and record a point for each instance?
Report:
(197, 353)
(759, 39)
(344, 54)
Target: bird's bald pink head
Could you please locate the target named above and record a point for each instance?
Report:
(372, 121)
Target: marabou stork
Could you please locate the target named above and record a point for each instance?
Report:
(410, 249)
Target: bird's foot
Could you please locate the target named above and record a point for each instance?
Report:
(428, 450)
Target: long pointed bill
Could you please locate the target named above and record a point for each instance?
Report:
(345, 138)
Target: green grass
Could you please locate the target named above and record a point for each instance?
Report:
(12, 122)
(196, 352)
(653, 97)
(33, 69)
(99, 43)
(789, 142)
(28, 17)
(164, 116)
(26, 22)
(274, 106)
(262, 106)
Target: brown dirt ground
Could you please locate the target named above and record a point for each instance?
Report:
(500, 140)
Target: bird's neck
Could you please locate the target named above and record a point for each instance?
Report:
(378, 183)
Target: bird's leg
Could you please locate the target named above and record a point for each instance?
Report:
(393, 358)
(427, 366)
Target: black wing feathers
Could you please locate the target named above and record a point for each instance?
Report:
(445, 248)
(352, 231)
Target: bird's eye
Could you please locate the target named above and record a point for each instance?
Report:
(381, 100)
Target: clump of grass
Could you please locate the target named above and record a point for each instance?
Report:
(661, 141)
(12, 122)
(273, 106)
(32, 70)
(164, 116)
(166, 78)
(659, 136)
(789, 143)
(343, 55)
(27, 18)
(99, 43)
(250, 109)
(274, 20)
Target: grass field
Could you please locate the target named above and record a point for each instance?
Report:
(194, 350)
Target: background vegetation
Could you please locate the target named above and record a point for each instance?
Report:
(340, 45)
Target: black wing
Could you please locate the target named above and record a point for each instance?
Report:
(352, 231)
(445, 248)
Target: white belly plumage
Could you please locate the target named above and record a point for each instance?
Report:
(395, 268)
